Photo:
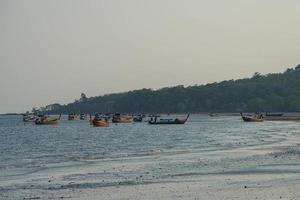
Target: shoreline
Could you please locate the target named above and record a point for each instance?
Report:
(273, 173)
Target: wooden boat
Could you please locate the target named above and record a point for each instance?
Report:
(118, 118)
(251, 118)
(157, 121)
(29, 118)
(44, 120)
(99, 121)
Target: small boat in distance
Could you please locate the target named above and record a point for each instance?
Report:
(213, 115)
(44, 120)
(138, 118)
(252, 118)
(99, 121)
(118, 118)
(161, 121)
(71, 116)
(29, 118)
(82, 116)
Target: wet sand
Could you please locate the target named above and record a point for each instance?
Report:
(206, 187)
(260, 172)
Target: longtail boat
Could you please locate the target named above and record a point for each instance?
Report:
(118, 118)
(99, 121)
(29, 118)
(251, 118)
(44, 120)
(160, 121)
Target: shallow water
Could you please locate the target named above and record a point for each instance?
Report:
(75, 155)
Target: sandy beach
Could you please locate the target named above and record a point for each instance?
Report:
(206, 187)
(263, 172)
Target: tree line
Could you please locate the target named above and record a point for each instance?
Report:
(275, 92)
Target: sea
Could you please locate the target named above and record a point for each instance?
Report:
(75, 156)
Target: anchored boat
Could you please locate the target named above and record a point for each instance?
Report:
(138, 118)
(252, 118)
(29, 118)
(44, 120)
(213, 115)
(99, 121)
(158, 121)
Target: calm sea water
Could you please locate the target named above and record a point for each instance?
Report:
(75, 153)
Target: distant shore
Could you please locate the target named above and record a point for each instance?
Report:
(11, 114)
(181, 113)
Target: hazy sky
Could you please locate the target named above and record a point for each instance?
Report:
(51, 51)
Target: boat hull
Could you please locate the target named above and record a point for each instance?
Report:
(48, 122)
(138, 119)
(29, 120)
(169, 122)
(251, 119)
(99, 123)
(166, 123)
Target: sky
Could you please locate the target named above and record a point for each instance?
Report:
(52, 50)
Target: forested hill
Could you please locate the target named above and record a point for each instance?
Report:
(271, 92)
